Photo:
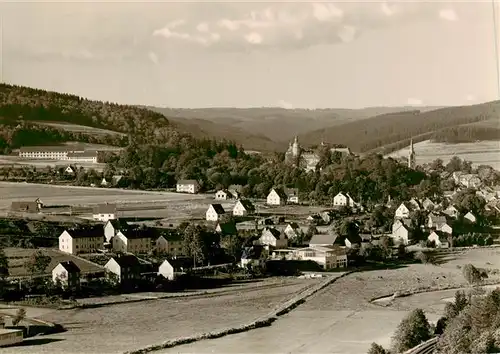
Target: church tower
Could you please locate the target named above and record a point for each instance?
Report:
(296, 147)
(411, 155)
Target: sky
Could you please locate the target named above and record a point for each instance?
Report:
(251, 54)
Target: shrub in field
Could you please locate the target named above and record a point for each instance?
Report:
(424, 257)
(376, 349)
(413, 330)
(471, 274)
(20, 315)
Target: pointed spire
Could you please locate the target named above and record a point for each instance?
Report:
(296, 140)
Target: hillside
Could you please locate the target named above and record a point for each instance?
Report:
(257, 128)
(389, 132)
(34, 117)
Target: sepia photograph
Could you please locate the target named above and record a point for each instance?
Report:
(249, 177)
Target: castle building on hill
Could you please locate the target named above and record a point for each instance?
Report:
(308, 159)
(411, 156)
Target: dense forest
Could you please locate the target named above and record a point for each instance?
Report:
(466, 134)
(376, 132)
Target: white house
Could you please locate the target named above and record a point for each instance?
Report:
(470, 217)
(447, 229)
(104, 182)
(414, 204)
(112, 227)
(343, 199)
(214, 212)
(170, 268)
(243, 207)
(70, 170)
(469, 180)
(188, 186)
(440, 239)
(85, 240)
(435, 221)
(403, 211)
(235, 190)
(168, 245)
(292, 195)
(226, 228)
(274, 238)
(451, 211)
(125, 268)
(327, 257)
(223, 194)
(292, 230)
(132, 241)
(105, 212)
(67, 274)
(428, 204)
(276, 197)
(401, 233)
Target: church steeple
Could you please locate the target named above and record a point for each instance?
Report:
(411, 155)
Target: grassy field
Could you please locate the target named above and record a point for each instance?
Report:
(18, 256)
(15, 161)
(75, 128)
(118, 328)
(133, 203)
(480, 153)
(340, 319)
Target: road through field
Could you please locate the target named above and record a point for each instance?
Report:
(120, 328)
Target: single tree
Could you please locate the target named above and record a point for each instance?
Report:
(413, 330)
(471, 274)
(37, 263)
(376, 349)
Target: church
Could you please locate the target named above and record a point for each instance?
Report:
(308, 158)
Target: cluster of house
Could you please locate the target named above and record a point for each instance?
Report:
(126, 269)
(120, 237)
(438, 222)
(63, 153)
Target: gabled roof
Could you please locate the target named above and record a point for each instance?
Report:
(137, 233)
(354, 238)
(276, 233)
(291, 192)
(247, 204)
(188, 181)
(70, 266)
(119, 224)
(179, 262)
(235, 187)
(105, 209)
(84, 232)
(281, 193)
(443, 236)
(223, 190)
(437, 219)
(218, 208)
(323, 239)
(294, 225)
(128, 260)
(228, 228)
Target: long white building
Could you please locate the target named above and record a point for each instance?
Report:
(65, 153)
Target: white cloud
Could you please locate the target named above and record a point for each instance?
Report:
(448, 15)
(414, 101)
(153, 57)
(293, 26)
(284, 104)
(202, 27)
(253, 38)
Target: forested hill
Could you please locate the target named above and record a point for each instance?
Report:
(24, 112)
(394, 129)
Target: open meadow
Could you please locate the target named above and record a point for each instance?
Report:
(479, 153)
(76, 128)
(119, 328)
(341, 319)
(133, 203)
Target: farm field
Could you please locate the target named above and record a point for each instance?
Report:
(340, 318)
(480, 153)
(118, 328)
(175, 203)
(18, 256)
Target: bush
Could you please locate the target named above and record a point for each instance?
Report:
(20, 315)
(376, 349)
(413, 330)
(472, 274)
